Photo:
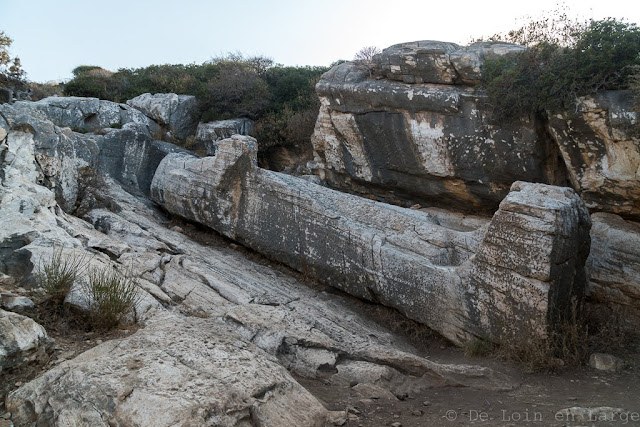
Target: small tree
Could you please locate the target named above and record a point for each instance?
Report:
(10, 68)
(364, 58)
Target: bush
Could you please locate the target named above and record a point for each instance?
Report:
(58, 274)
(280, 99)
(553, 73)
(112, 296)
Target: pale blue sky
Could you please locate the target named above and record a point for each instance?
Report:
(54, 36)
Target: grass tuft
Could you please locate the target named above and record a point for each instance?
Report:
(112, 296)
(58, 274)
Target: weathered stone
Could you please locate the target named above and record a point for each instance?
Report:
(209, 133)
(600, 145)
(16, 303)
(86, 114)
(178, 112)
(243, 311)
(605, 362)
(69, 162)
(439, 144)
(424, 61)
(403, 258)
(426, 143)
(173, 372)
(21, 340)
(131, 156)
(613, 266)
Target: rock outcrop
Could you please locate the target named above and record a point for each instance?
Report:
(70, 162)
(417, 129)
(527, 264)
(83, 114)
(221, 333)
(179, 113)
(422, 142)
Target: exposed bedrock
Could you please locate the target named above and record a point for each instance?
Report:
(70, 162)
(462, 277)
(421, 131)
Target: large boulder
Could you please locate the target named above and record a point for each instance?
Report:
(173, 372)
(424, 143)
(21, 340)
(529, 270)
(70, 162)
(419, 263)
(424, 61)
(178, 112)
(430, 61)
(131, 156)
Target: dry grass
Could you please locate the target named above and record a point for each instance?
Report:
(58, 274)
(112, 296)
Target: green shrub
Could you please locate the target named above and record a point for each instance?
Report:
(280, 99)
(58, 274)
(552, 74)
(112, 296)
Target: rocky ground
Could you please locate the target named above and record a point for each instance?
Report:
(365, 397)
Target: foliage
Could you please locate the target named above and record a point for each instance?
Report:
(11, 72)
(554, 27)
(550, 75)
(280, 99)
(112, 296)
(58, 274)
(634, 81)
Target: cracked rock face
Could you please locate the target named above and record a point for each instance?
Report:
(209, 133)
(461, 281)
